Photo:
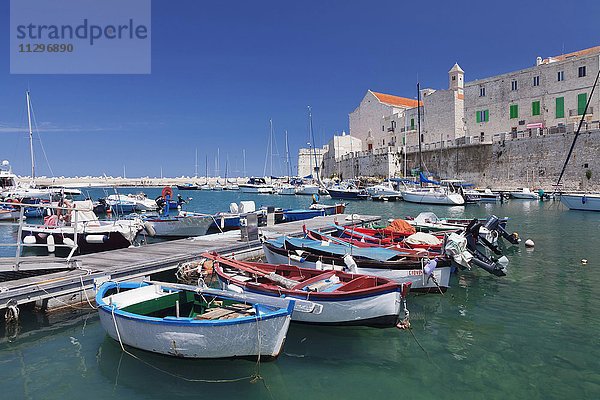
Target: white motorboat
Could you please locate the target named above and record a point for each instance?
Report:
(131, 202)
(583, 202)
(81, 229)
(285, 189)
(307, 189)
(432, 195)
(485, 195)
(524, 194)
(384, 191)
(256, 185)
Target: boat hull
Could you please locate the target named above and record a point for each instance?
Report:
(204, 339)
(256, 189)
(181, 226)
(432, 197)
(414, 275)
(307, 190)
(347, 195)
(581, 202)
(376, 310)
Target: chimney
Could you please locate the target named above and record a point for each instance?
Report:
(538, 61)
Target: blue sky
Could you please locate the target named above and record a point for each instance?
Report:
(220, 70)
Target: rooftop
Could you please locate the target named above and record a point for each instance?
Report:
(395, 100)
(562, 57)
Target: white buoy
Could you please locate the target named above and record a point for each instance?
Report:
(584, 261)
(529, 243)
(68, 241)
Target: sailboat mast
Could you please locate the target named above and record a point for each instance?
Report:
(30, 135)
(271, 140)
(419, 125)
(244, 157)
(287, 156)
(196, 165)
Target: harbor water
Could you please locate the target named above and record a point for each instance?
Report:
(533, 334)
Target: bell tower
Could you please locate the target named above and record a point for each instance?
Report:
(456, 79)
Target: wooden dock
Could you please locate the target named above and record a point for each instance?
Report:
(76, 284)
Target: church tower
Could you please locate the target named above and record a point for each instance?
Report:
(456, 77)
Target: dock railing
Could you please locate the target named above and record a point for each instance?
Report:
(20, 222)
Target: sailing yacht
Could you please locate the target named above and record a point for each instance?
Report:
(11, 189)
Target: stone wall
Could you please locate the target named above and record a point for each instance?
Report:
(533, 162)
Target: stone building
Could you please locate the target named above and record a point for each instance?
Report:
(337, 148)
(368, 120)
(308, 158)
(547, 98)
(387, 121)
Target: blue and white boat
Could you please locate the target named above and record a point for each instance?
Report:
(387, 263)
(347, 190)
(195, 322)
(582, 202)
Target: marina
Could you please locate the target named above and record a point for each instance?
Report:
(284, 201)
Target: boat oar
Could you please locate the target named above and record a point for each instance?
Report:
(272, 276)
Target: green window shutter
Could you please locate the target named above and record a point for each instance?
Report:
(535, 108)
(412, 123)
(514, 111)
(560, 107)
(581, 100)
(486, 115)
(478, 116)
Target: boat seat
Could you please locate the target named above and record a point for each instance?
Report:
(332, 288)
(229, 312)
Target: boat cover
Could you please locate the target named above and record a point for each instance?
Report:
(373, 253)
(402, 227)
(423, 238)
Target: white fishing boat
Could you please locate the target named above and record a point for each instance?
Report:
(9, 213)
(80, 229)
(281, 251)
(524, 194)
(347, 299)
(194, 322)
(581, 201)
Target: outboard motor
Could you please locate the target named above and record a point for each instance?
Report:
(494, 224)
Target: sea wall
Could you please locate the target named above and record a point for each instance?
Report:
(530, 161)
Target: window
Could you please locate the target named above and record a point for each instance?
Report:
(412, 124)
(383, 142)
(482, 91)
(581, 72)
(535, 108)
(514, 111)
(383, 128)
(581, 101)
(561, 76)
(482, 116)
(514, 85)
(536, 80)
(453, 77)
(560, 107)
(393, 124)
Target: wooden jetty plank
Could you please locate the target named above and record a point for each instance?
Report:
(132, 263)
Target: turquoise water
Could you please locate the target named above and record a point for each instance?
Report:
(533, 334)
